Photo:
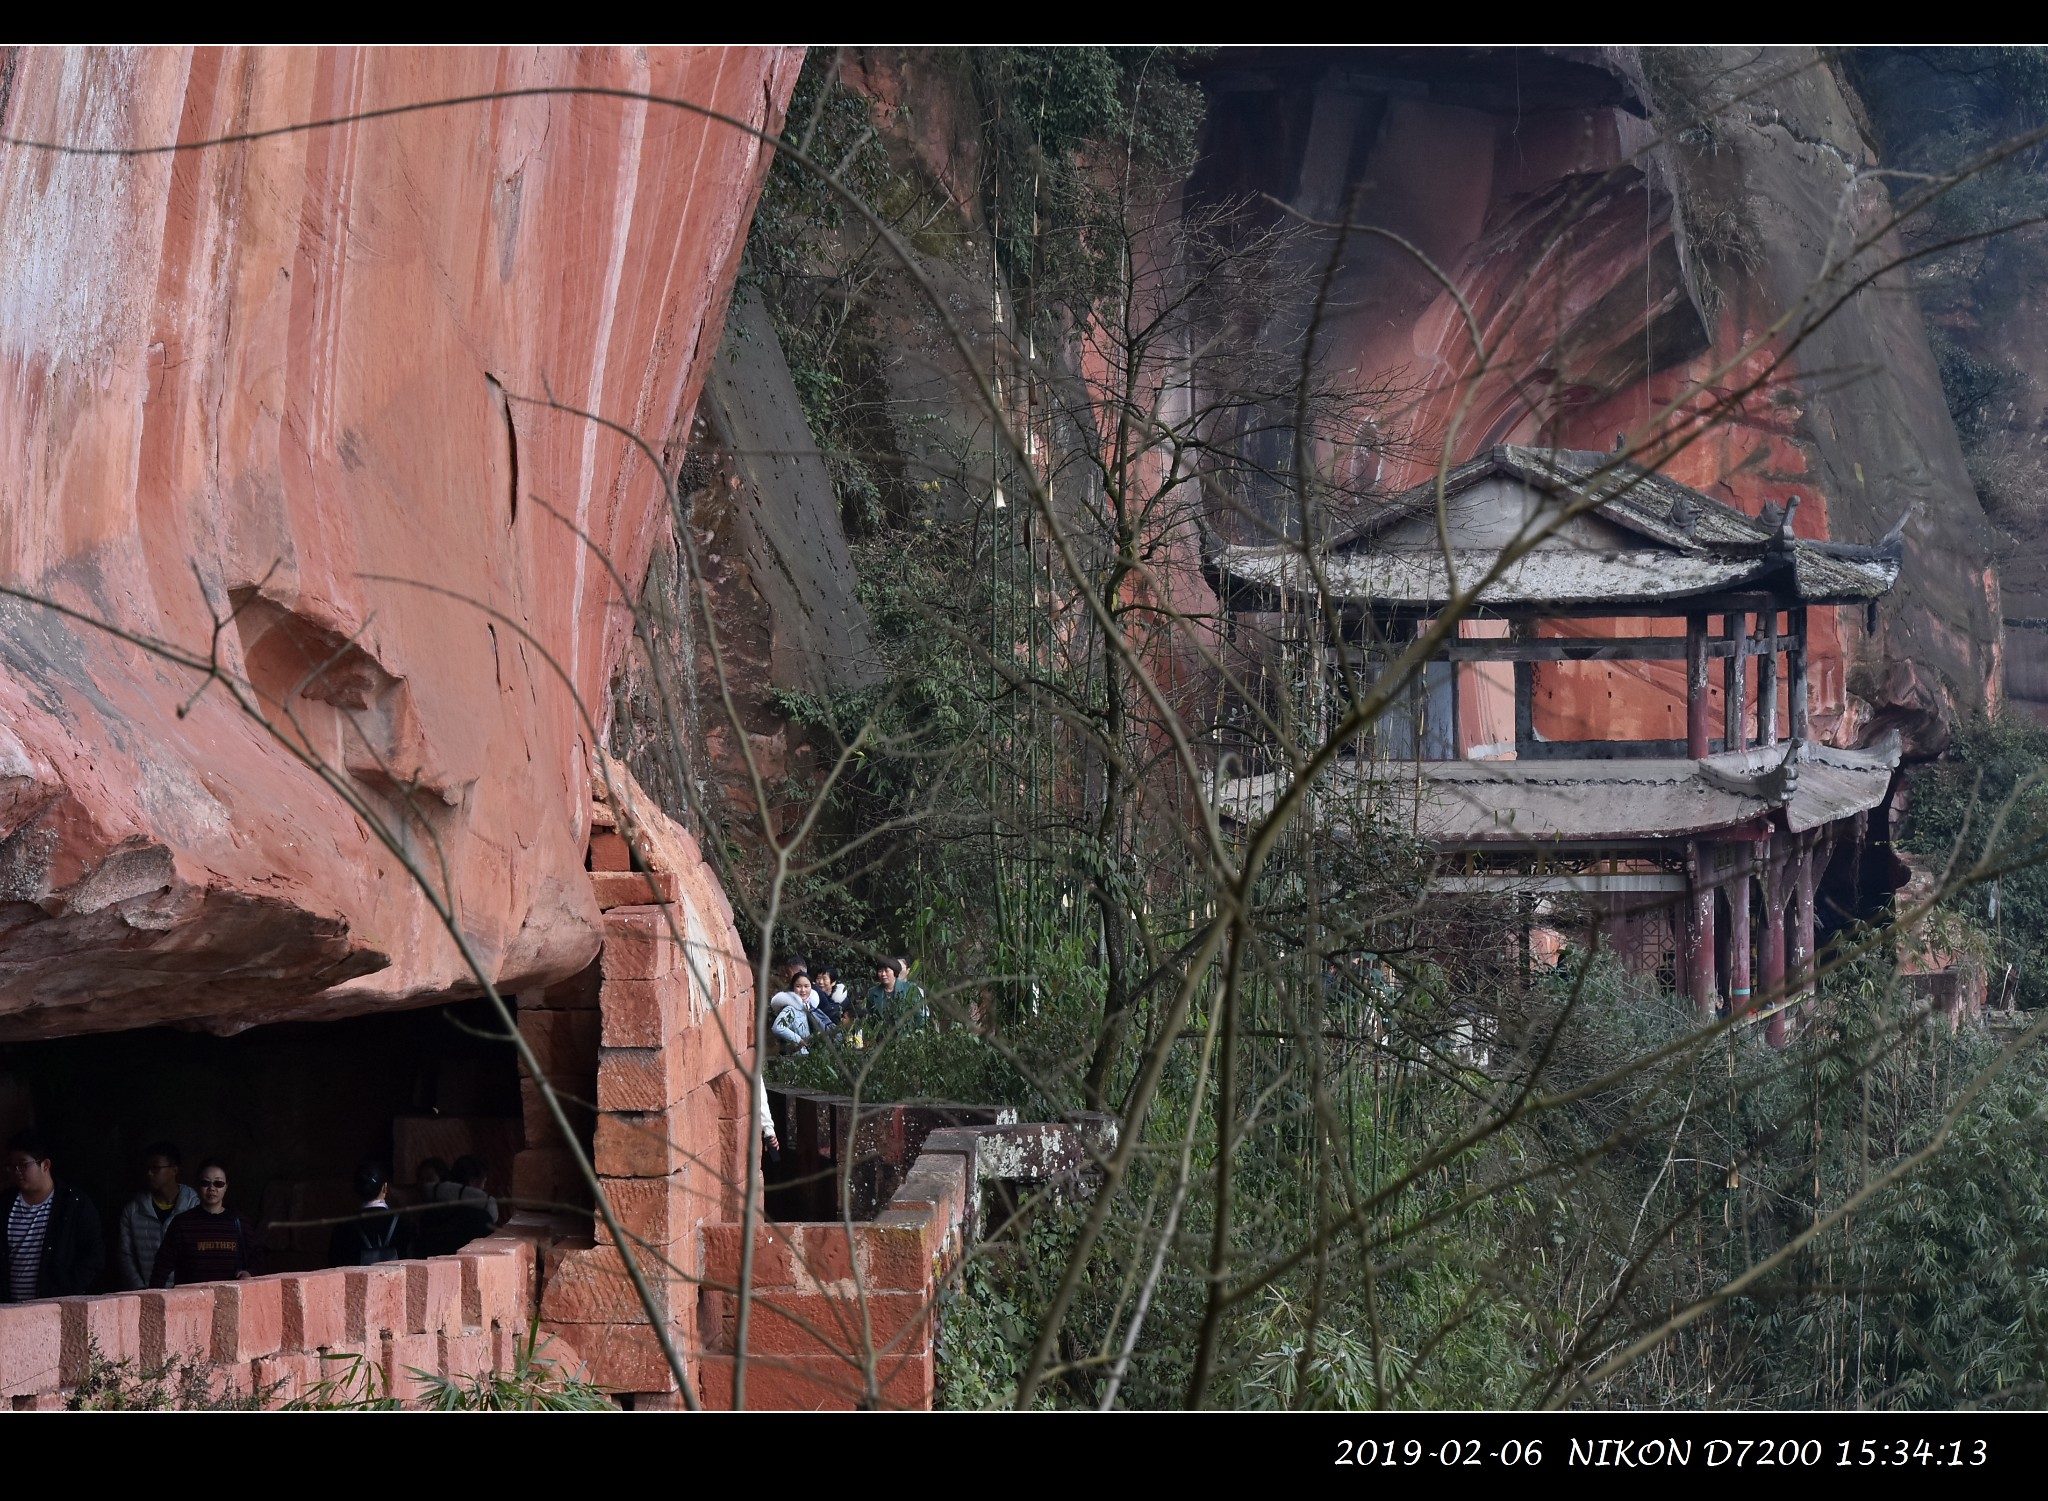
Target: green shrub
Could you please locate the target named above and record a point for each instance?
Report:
(177, 1385)
(534, 1384)
(1987, 801)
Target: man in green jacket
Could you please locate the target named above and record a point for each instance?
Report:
(880, 1005)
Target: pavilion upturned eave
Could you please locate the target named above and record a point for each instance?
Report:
(1596, 803)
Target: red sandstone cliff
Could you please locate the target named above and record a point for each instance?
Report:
(274, 377)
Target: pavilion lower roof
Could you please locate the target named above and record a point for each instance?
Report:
(1535, 803)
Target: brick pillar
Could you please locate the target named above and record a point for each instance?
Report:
(673, 1116)
(643, 1148)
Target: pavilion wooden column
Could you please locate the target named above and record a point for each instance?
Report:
(1737, 706)
(1699, 934)
(1795, 660)
(1771, 937)
(1767, 681)
(1696, 725)
(1802, 915)
(1525, 689)
(1740, 992)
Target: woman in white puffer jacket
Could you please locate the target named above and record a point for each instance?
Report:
(790, 1013)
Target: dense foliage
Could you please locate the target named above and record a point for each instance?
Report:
(1985, 804)
(1064, 127)
(1931, 1294)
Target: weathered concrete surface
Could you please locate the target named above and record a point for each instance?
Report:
(275, 376)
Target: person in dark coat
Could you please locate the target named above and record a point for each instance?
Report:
(377, 1233)
(54, 1245)
(463, 1210)
(140, 1228)
(831, 995)
(211, 1243)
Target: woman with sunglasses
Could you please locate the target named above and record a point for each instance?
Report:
(208, 1244)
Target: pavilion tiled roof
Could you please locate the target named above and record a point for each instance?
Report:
(1694, 546)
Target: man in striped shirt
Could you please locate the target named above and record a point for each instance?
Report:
(54, 1247)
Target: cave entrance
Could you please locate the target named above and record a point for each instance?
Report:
(290, 1109)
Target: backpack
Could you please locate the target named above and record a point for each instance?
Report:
(375, 1252)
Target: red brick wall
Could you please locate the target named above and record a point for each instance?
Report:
(841, 1315)
(451, 1315)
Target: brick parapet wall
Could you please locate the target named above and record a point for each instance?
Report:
(842, 1315)
(455, 1316)
(845, 1314)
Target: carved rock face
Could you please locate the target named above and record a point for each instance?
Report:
(274, 404)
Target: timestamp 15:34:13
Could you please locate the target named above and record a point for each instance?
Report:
(1902, 1451)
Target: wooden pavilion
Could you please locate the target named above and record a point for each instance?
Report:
(1704, 849)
